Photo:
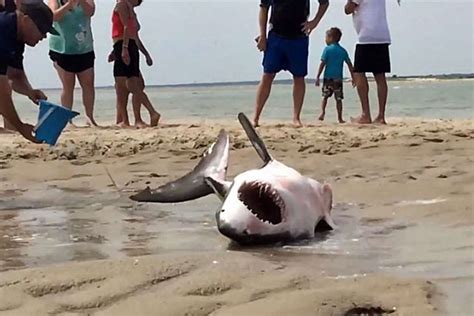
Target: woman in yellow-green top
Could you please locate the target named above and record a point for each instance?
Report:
(72, 51)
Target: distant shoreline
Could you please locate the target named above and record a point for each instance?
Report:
(289, 81)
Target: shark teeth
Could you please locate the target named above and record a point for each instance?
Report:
(263, 201)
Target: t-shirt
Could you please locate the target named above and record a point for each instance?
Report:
(334, 56)
(370, 22)
(8, 41)
(288, 15)
(8, 5)
(17, 60)
(75, 33)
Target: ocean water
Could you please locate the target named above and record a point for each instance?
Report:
(449, 99)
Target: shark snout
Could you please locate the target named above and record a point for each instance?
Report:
(227, 230)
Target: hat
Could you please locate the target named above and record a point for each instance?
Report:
(40, 14)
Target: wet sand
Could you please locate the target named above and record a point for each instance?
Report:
(403, 205)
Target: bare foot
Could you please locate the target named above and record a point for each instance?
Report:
(255, 124)
(154, 119)
(341, 121)
(361, 120)
(91, 122)
(6, 131)
(141, 124)
(321, 117)
(380, 120)
(123, 125)
(297, 123)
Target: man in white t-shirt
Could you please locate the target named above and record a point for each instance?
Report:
(372, 53)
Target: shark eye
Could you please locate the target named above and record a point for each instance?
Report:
(263, 201)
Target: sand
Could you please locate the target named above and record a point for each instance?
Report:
(412, 182)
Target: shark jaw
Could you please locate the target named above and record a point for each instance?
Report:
(263, 201)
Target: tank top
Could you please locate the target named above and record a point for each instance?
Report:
(118, 28)
(75, 33)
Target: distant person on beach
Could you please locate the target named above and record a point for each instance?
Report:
(332, 62)
(128, 78)
(371, 55)
(28, 25)
(15, 72)
(145, 100)
(285, 47)
(72, 51)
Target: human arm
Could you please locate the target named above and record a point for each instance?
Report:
(20, 84)
(124, 14)
(88, 6)
(60, 12)
(322, 65)
(7, 109)
(144, 51)
(309, 26)
(262, 22)
(351, 70)
(351, 6)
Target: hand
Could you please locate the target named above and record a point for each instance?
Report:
(125, 56)
(111, 57)
(308, 27)
(26, 131)
(318, 82)
(261, 43)
(149, 60)
(37, 95)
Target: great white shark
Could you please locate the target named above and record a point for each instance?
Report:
(270, 204)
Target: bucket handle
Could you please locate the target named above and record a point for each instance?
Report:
(44, 118)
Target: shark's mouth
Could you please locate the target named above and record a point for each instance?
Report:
(263, 201)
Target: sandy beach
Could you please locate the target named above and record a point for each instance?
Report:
(403, 205)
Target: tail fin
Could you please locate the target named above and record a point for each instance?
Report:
(193, 185)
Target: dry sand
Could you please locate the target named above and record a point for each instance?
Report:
(413, 172)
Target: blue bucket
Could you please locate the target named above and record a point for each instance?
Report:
(52, 119)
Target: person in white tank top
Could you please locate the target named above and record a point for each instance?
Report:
(372, 53)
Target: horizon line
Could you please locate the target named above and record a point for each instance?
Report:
(286, 81)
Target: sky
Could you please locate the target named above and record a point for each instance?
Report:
(207, 41)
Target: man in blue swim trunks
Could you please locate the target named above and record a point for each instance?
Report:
(28, 25)
(285, 47)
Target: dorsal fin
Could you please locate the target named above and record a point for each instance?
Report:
(256, 141)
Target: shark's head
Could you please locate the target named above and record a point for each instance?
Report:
(269, 204)
(254, 210)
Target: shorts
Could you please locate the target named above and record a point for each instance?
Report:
(120, 68)
(374, 58)
(333, 86)
(286, 54)
(73, 63)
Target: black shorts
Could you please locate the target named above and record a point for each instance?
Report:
(120, 68)
(73, 63)
(333, 86)
(374, 58)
